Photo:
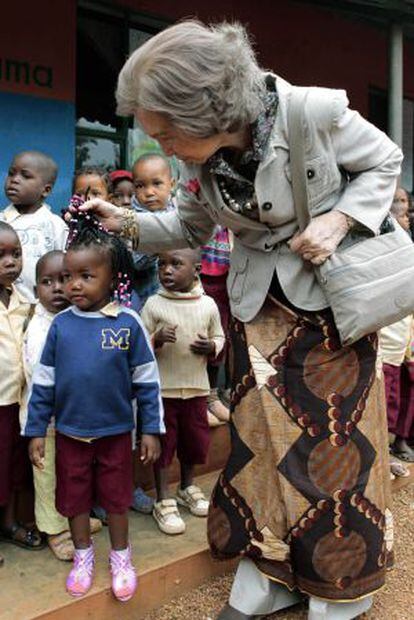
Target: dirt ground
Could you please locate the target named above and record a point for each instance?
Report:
(394, 602)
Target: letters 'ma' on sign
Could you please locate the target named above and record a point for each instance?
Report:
(23, 72)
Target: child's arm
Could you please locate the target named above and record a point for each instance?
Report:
(147, 390)
(33, 343)
(210, 344)
(42, 399)
(215, 329)
(159, 335)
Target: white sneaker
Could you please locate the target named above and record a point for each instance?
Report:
(322, 610)
(194, 499)
(167, 517)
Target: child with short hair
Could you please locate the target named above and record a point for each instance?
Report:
(215, 264)
(121, 188)
(186, 329)
(91, 182)
(400, 208)
(394, 344)
(121, 193)
(14, 465)
(29, 181)
(96, 359)
(153, 182)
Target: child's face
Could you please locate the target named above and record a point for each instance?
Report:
(25, 184)
(401, 201)
(49, 286)
(123, 193)
(88, 279)
(93, 184)
(10, 257)
(153, 183)
(178, 270)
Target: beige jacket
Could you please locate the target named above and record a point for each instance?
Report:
(351, 166)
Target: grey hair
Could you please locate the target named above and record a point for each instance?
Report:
(204, 79)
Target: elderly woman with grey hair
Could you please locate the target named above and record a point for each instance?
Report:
(304, 497)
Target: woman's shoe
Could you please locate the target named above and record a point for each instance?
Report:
(324, 610)
(229, 613)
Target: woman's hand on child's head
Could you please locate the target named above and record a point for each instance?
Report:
(37, 452)
(165, 334)
(203, 346)
(111, 217)
(149, 449)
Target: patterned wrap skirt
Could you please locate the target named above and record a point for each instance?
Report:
(305, 493)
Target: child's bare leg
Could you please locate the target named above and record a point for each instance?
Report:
(80, 530)
(187, 475)
(161, 483)
(118, 530)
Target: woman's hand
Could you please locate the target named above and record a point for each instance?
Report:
(321, 237)
(110, 216)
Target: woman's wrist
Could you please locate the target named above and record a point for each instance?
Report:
(129, 227)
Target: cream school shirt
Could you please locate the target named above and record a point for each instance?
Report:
(39, 232)
(12, 323)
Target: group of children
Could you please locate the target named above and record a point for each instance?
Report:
(80, 366)
(397, 357)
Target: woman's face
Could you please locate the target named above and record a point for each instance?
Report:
(174, 141)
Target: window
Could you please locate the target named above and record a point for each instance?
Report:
(378, 115)
(105, 37)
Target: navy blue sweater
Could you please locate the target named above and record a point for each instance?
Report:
(92, 366)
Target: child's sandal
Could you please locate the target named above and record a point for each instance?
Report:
(31, 539)
(61, 546)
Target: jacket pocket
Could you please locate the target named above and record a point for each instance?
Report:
(237, 278)
(323, 178)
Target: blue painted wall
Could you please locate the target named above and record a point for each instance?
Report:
(47, 125)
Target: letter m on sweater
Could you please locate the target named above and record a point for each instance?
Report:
(119, 339)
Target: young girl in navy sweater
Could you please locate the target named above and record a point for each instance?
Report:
(96, 359)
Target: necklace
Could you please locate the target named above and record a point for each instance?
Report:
(248, 208)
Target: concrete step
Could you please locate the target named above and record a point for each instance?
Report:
(217, 457)
(32, 583)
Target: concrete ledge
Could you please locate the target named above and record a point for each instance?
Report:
(156, 587)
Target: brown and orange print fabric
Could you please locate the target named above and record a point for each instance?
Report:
(305, 492)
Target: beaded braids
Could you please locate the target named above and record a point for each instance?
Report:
(85, 230)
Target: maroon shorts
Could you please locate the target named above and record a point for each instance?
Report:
(14, 458)
(187, 431)
(392, 375)
(97, 472)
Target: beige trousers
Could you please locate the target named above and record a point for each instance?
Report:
(48, 519)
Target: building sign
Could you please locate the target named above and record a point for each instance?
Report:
(19, 72)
